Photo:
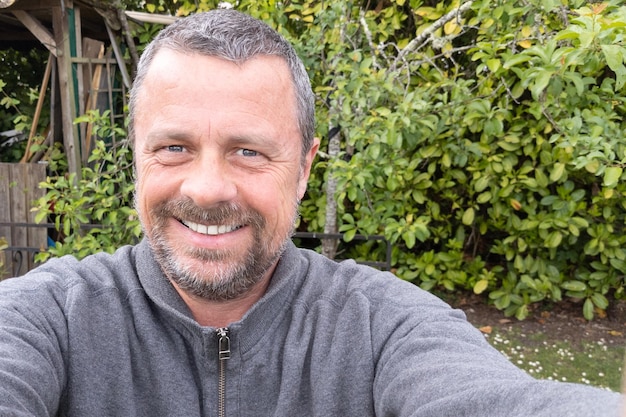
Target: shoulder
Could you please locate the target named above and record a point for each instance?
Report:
(344, 282)
(93, 274)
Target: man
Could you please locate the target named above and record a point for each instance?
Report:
(216, 313)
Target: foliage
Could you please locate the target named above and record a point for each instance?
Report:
(96, 213)
(20, 77)
(484, 142)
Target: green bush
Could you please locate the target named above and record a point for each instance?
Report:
(95, 213)
(490, 152)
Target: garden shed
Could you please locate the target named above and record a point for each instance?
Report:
(91, 57)
(86, 67)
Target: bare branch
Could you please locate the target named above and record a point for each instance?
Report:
(428, 32)
(368, 35)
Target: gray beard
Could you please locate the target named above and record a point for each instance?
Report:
(233, 279)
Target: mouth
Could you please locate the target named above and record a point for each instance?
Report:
(210, 230)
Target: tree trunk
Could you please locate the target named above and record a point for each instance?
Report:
(329, 246)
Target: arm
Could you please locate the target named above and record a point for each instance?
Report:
(32, 332)
(435, 363)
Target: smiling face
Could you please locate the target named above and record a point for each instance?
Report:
(219, 169)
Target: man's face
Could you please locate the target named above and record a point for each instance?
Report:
(219, 169)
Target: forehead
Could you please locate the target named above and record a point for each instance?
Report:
(193, 88)
(266, 76)
(263, 71)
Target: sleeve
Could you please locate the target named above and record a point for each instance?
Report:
(32, 331)
(434, 363)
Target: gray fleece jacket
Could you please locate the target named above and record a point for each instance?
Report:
(109, 336)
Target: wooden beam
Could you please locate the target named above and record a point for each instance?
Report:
(66, 88)
(40, 100)
(37, 29)
(119, 57)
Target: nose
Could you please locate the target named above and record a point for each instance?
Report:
(209, 182)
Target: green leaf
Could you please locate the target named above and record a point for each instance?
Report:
(541, 178)
(493, 65)
(541, 82)
(349, 235)
(554, 239)
(502, 302)
(522, 312)
(483, 197)
(422, 232)
(515, 60)
(528, 281)
(409, 239)
(576, 286)
(481, 183)
(600, 301)
(588, 309)
(468, 217)
(41, 215)
(481, 286)
(614, 55)
(612, 176)
(557, 172)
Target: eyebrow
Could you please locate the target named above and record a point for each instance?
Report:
(163, 134)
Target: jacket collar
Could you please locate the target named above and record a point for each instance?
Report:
(260, 321)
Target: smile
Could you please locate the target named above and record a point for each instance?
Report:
(211, 230)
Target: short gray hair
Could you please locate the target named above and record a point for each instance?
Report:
(233, 36)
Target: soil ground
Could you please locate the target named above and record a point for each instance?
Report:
(563, 321)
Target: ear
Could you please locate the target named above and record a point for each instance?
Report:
(305, 172)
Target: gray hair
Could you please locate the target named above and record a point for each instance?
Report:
(237, 37)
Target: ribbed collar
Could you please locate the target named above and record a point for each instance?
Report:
(259, 322)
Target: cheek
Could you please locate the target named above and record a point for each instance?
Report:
(140, 201)
(274, 195)
(149, 187)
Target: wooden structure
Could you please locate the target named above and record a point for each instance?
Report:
(86, 69)
(87, 42)
(19, 186)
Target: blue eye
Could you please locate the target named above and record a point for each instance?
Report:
(175, 148)
(248, 152)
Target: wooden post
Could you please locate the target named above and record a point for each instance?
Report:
(5, 217)
(37, 237)
(71, 139)
(19, 235)
(91, 77)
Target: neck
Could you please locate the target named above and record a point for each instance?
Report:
(221, 313)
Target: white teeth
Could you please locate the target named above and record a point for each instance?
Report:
(209, 230)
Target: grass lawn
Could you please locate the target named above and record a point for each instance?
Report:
(558, 343)
(596, 362)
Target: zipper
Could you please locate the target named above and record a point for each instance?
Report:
(223, 355)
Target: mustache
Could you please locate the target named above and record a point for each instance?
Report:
(225, 213)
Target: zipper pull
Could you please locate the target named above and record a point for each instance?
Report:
(223, 343)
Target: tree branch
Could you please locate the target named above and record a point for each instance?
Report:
(368, 35)
(422, 37)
